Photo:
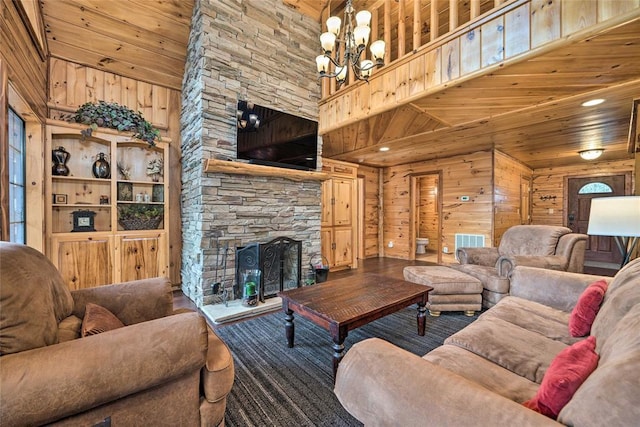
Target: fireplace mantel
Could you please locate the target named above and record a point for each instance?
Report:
(240, 168)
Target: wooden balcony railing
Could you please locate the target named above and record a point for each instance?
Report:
(450, 40)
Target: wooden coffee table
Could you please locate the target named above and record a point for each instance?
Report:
(345, 304)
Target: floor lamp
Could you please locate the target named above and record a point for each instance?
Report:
(618, 217)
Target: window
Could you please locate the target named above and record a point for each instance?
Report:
(17, 218)
(595, 188)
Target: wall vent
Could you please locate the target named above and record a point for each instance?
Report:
(468, 241)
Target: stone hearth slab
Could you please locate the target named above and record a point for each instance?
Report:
(219, 313)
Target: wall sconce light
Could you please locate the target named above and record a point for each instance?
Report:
(248, 120)
(591, 154)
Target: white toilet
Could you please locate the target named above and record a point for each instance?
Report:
(421, 244)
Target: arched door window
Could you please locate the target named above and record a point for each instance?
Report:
(595, 188)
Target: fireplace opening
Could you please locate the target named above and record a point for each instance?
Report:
(279, 262)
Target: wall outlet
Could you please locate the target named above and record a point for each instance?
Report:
(445, 249)
(390, 244)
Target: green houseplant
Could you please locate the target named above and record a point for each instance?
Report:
(139, 216)
(114, 116)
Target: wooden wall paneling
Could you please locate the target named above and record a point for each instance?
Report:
(492, 41)
(113, 88)
(428, 208)
(469, 175)
(371, 209)
(173, 109)
(578, 14)
(76, 79)
(609, 9)
(416, 75)
(470, 52)
(24, 67)
(451, 60)
(4, 151)
(389, 85)
(160, 108)
(402, 83)
(549, 182)
(545, 22)
(517, 35)
(94, 85)
(507, 193)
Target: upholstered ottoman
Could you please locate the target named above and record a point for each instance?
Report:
(452, 289)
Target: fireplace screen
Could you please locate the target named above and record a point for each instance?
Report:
(279, 261)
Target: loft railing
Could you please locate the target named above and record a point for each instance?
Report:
(477, 42)
(428, 21)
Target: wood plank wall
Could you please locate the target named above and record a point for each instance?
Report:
(548, 204)
(72, 85)
(508, 175)
(372, 209)
(27, 71)
(468, 175)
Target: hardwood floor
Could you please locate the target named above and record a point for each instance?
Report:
(390, 267)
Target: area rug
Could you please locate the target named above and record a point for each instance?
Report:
(280, 386)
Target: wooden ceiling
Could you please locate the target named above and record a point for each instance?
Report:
(528, 110)
(142, 39)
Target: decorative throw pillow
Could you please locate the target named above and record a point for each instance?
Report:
(566, 373)
(98, 319)
(588, 305)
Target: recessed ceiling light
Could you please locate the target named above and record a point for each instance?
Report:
(384, 148)
(592, 102)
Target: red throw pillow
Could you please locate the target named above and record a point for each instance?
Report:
(98, 319)
(566, 373)
(584, 313)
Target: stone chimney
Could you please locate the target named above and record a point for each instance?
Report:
(261, 51)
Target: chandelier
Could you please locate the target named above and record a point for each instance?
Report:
(353, 43)
(248, 119)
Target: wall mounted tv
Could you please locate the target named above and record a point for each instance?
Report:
(273, 138)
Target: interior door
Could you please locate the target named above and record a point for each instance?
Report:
(600, 249)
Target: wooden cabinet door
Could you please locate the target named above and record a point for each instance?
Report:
(326, 214)
(142, 257)
(326, 244)
(343, 201)
(83, 262)
(343, 250)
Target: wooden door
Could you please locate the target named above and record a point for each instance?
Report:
(580, 192)
(342, 201)
(83, 262)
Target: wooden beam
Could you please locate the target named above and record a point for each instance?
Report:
(416, 25)
(453, 15)
(435, 22)
(401, 29)
(475, 8)
(239, 168)
(387, 31)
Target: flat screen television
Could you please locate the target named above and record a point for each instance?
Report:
(274, 138)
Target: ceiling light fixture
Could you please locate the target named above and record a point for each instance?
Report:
(591, 154)
(354, 41)
(592, 102)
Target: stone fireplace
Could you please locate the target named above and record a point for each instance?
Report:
(242, 50)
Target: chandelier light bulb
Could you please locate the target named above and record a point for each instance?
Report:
(366, 68)
(341, 74)
(377, 50)
(363, 18)
(361, 35)
(322, 63)
(328, 41)
(333, 25)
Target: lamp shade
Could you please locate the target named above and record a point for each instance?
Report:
(615, 216)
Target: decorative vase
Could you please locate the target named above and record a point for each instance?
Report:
(60, 157)
(101, 167)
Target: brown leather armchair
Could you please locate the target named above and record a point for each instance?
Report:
(543, 246)
(161, 368)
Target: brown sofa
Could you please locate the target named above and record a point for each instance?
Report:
(161, 368)
(543, 246)
(483, 374)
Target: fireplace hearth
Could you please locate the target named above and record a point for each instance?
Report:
(279, 261)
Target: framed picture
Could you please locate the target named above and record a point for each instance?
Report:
(59, 199)
(125, 191)
(83, 221)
